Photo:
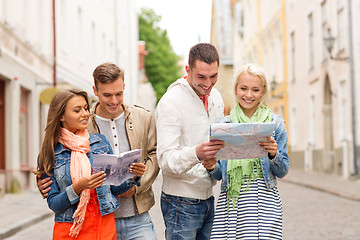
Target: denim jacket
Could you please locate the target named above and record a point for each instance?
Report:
(271, 168)
(62, 198)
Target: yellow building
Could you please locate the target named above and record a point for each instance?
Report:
(251, 31)
(259, 29)
(221, 38)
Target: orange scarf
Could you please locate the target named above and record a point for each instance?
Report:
(79, 167)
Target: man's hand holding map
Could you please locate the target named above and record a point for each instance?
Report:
(241, 139)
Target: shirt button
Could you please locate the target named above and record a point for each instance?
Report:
(115, 145)
(112, 119)
(113, 127)
(114, 136)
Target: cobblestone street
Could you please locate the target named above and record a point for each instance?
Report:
(311, 214)
(308, 214)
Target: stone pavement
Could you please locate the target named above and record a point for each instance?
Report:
(349, 189)
(18, 211)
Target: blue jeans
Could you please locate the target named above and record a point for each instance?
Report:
(187, 218)
(137, 227)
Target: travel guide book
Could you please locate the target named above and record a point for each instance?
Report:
(116, 167)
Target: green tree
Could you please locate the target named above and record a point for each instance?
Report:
(161, 63)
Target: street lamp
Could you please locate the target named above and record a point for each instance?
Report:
(329, 42)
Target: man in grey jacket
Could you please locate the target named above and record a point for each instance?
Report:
(126, 128)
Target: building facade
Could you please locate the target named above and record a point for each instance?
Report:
(221, 38)
(45, 43)
(258, 35)
(313, 90)
(321, 103)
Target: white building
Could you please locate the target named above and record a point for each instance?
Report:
(88, 33)
(319, 88)
(258, 35)
(317, 95)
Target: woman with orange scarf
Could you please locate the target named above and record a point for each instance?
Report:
(83, 206)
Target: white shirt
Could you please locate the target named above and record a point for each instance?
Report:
(114, 130)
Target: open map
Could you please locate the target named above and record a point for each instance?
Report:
(241, 139)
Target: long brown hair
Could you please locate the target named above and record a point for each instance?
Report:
(46, 157)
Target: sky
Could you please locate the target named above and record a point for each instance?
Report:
(186, 21)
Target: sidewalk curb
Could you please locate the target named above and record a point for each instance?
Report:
(316, 187)
(13, 228)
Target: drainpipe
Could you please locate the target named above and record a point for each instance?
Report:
(352, 86)
(116, 31)
(54, 43)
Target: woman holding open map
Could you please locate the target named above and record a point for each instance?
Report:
(83, 206)
(249, 205)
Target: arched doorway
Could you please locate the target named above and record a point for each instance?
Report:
(329, 164)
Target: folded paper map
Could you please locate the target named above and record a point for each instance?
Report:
(241, 139)
(116, 167)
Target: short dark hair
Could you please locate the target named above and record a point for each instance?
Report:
(205, 52)
(107, 73)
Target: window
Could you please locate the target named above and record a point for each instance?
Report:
(64, 27)
(2, 11)
(280, 61)
(2, 125)
(239, 17)
(292, 3)
(324, 26)
(111, 51)
(80, 39)
(94, 43)
(312, 120)
(104, 47)
(293, 57)
(293, 128)
(24, 127)
(266, 60)
(343, 101)
(310, 41)
(272, 63)
(28, 22)
(341, 25)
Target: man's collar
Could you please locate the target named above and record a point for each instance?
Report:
(94, 108)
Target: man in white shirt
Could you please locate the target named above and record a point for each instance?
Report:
(183, 118)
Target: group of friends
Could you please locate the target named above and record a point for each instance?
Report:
(175, 140)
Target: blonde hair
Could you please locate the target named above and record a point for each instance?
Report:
(255, 70)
